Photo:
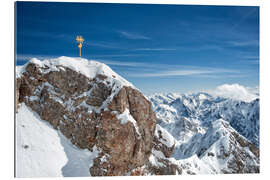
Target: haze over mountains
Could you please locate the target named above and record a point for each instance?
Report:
(99, 124)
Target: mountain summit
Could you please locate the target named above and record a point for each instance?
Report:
(93, 107)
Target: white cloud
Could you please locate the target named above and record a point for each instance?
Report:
(163, 70)
(121, 63)
(251, 57)
(116, 55)
(103, 45)
(130, 35)
(244, 43)
(172, 73)
(236, 91)
(155, 49)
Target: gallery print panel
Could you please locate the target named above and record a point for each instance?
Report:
(108, 89)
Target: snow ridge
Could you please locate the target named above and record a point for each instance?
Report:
(89, 68)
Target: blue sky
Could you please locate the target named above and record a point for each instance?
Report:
(159, 48)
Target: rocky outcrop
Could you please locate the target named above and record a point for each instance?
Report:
(159, 162)
(97, 110)
(163, 141)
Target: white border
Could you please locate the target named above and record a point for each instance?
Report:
(7, 87)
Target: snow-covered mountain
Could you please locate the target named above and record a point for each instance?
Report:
(77, 117)
(221, 133)
(184, 115)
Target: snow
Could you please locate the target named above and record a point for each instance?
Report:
(191, 164)
(155, 155)
(33, 98)
(202, 97)
(79, 160)
(127, 117)
(37, 146)
(89, 68)
(19, 71)
(195, 165)
(104, 158)
(167, 139)
(42, 151)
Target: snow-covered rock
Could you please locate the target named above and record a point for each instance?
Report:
(88, 68)
(94, 108)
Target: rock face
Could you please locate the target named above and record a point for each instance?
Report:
(92, 107)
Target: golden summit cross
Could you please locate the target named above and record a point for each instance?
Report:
(79, 40)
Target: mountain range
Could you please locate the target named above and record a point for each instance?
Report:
(215, 129)
(77, 117)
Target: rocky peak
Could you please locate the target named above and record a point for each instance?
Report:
(238, 154)
(93, 107)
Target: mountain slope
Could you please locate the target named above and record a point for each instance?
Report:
(41, 151)
(224, 150)
(35, 147)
